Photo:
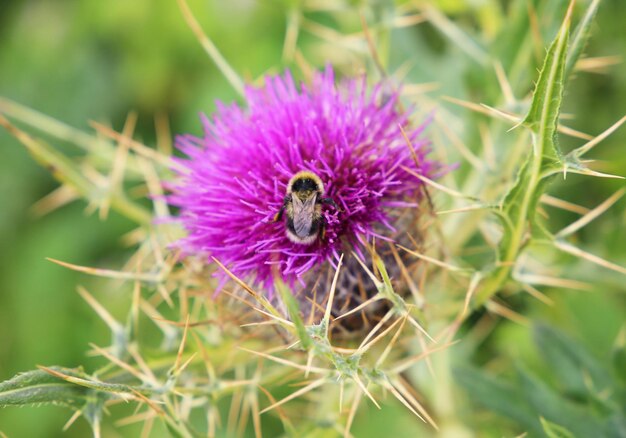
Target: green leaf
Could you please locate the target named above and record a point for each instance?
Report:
(554, 430)
(37, 387)
(544, 110)
(294, 314)
(531, 399)
(518, 208)
(569, 361)
(581, 35)
(61, 386)
(618, 356)
(387, 291)
(497, 396)
(547, 403)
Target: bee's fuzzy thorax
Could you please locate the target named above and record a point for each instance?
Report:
(304, 175)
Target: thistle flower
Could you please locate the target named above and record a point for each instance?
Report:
(235, 177)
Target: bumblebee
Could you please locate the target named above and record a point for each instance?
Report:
(303, 204)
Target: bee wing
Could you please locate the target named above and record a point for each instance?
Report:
(303, 215)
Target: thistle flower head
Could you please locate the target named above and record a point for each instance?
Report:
(236, 176)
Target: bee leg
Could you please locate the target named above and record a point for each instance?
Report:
(323, 228)
(278, 216)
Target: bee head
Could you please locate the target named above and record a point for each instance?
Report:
(305, 184)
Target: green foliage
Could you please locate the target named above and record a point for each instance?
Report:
(582, 399)
(189, 363)
(618, 357)
(518, 210)
(554, 430)
(571, 366)
(63, 387)
(40, 387)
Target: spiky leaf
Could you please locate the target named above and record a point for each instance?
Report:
(518, 209)
(294, 313)
(554, 430)
(581, 35)
(40, 387)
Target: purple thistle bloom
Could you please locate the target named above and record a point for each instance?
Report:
(236, 176)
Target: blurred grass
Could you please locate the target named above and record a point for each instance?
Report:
(90, 60)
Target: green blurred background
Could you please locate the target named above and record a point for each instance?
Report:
(81, 60)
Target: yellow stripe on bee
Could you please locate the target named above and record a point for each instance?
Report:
(305, 174)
